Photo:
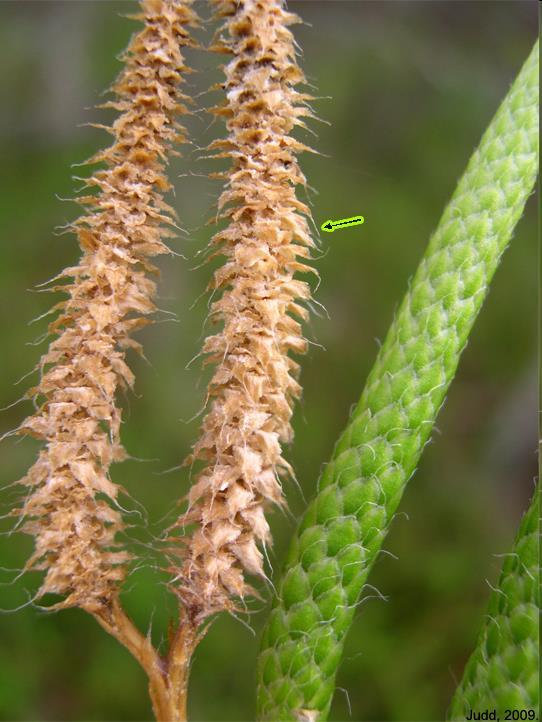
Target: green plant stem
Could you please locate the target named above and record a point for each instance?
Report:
(344, 527)
(502, 672)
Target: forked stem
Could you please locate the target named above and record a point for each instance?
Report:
(168, 675)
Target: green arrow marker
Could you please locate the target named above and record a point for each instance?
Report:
(330, 226)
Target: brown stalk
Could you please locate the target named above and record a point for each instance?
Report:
(167, 675)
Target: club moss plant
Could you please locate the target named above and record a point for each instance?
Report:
(344, 526)
(71, 507)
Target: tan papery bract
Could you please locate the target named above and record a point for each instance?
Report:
(266, 240)
(71, 507)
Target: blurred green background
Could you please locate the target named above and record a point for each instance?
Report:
(409, 88)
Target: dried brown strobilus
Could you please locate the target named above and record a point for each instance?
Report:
(254, 384)
(71, 506)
